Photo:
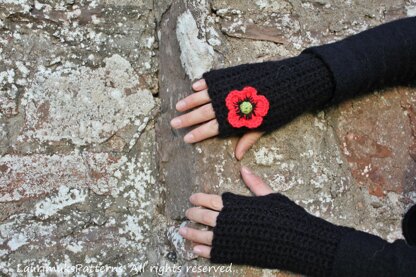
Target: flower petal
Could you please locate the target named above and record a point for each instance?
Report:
(262, 105)
(232, 99)
(254, 122)
(234, 119)
(234, 115)
(249, 92)
(244, 122)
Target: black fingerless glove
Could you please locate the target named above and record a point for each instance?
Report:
(273, 232)
(264, 96)
(278, 91)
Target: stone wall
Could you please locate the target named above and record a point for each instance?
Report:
(92, 174)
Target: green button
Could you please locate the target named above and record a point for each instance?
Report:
(246, 107)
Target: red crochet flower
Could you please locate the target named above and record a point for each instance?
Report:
(246, 108)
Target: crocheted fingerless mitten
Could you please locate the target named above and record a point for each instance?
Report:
(264, 96)
(272, 231)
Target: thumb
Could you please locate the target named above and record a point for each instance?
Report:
(255, 183)
(245, 143)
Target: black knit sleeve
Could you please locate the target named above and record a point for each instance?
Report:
(409, 226)
(363, 254)
(379, 57)
(265, 96)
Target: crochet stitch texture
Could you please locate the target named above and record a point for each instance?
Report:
(272, 231)
(380, 57)
(292, 86)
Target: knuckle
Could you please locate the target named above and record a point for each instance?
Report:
(214, 203)
(184, 119)
(196, 236)
(207, 110)
(190, 233)
(206, 95)
(258, 183)
(190, 100)
(206, 217)
(199, 235)
(214, 123)
(197, 132)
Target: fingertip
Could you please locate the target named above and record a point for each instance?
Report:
(203, 251)
(241, 148)
(245, 170)
(239, 154)
(181, 105)
(199, 85)
(189, 138)
(183, 231)
(197, 250)
(194, 198)
(245, 143)
(176, 123)
(191, 198)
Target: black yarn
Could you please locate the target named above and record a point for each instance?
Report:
(380, 57)
(292, 86)
(409, 226)
(273, 232)
(362, 254)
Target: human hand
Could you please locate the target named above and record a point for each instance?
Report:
(209, 207)
(204, 113)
